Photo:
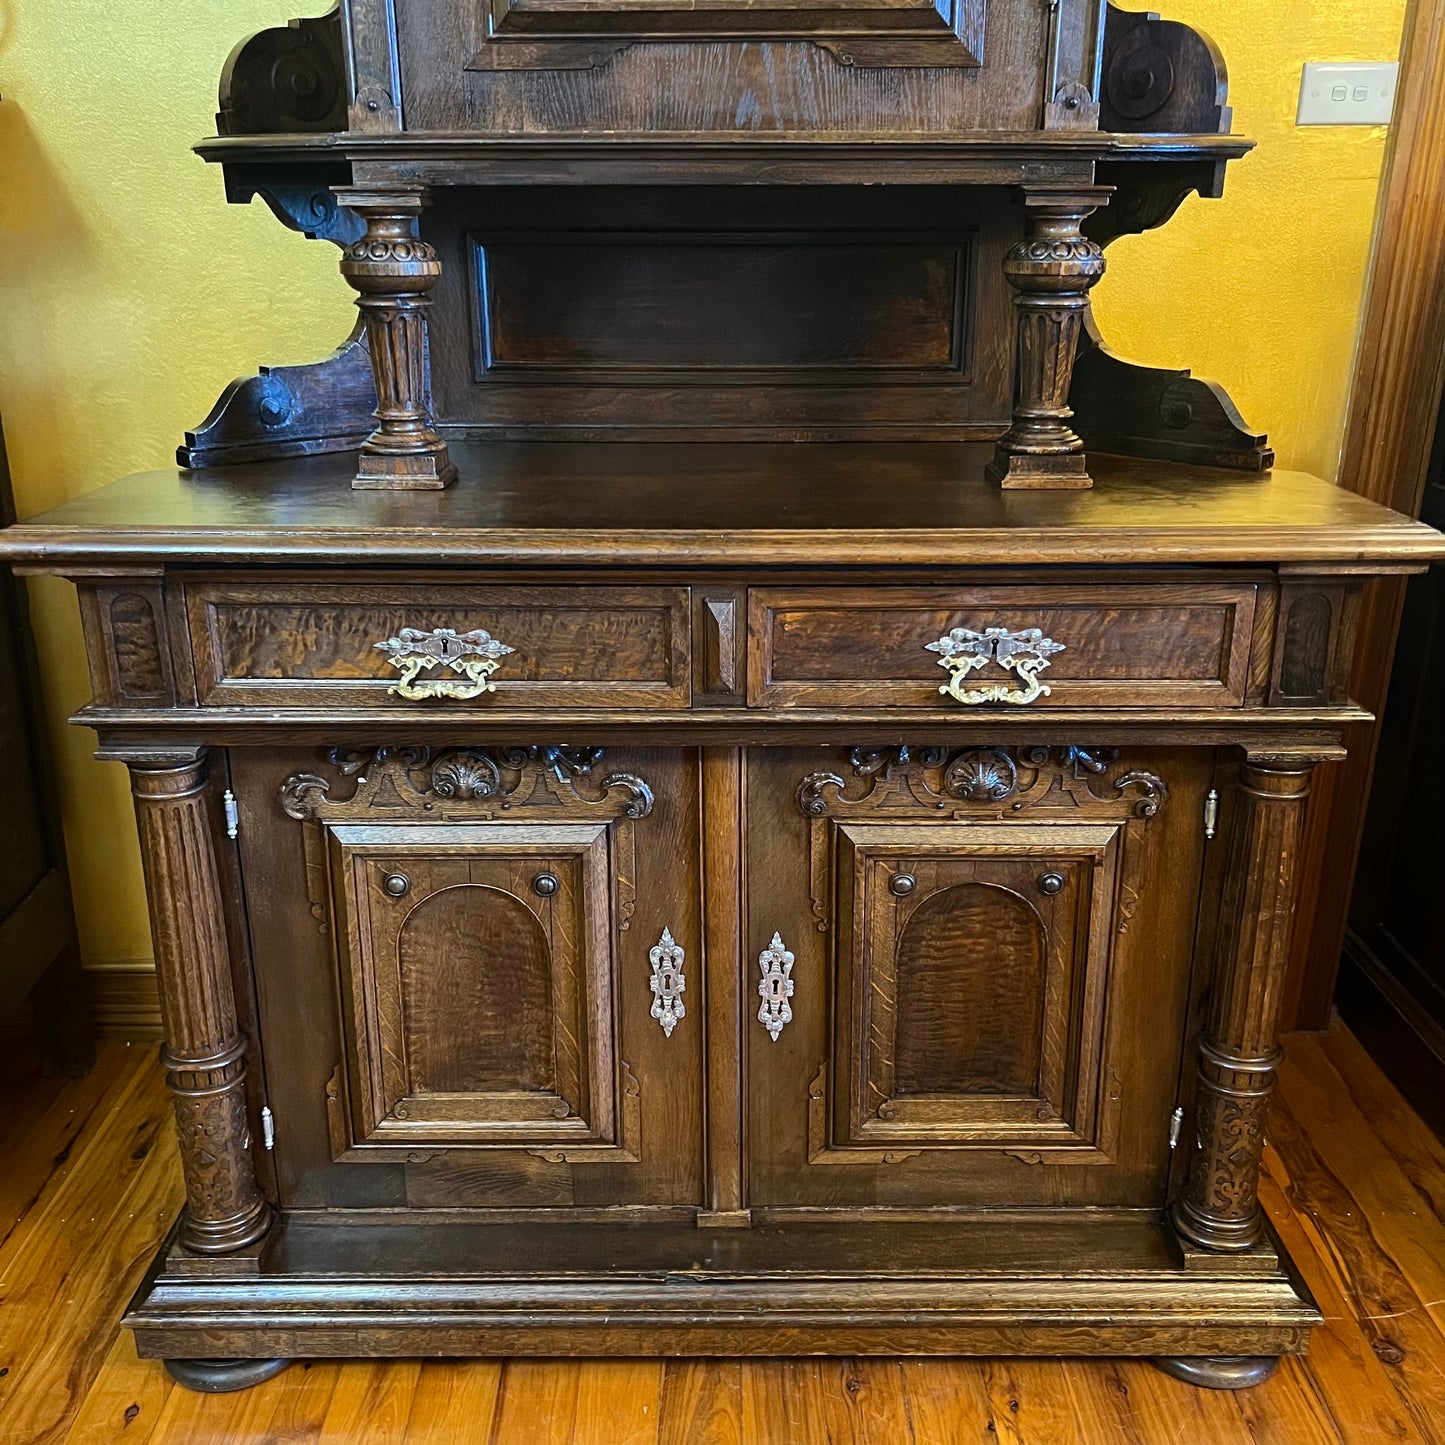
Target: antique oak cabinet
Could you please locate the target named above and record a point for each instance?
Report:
(681, 814)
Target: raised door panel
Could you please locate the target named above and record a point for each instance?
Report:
(477, 984)
(970, 975)
(479, 975)
(980, 960)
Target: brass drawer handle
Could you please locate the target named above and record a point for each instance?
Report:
(472, 656)
(775, 987)
(1025, 654)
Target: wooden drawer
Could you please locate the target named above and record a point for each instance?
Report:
(306, 644)
(1126, 645)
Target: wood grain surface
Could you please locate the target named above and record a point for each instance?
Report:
(1353, 1185)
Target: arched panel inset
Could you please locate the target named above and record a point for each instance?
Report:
(476, 981)
(971, 965)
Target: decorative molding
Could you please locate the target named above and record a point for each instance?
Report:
(979, 784)
(627, 1149)
(287, 80)
(467, 784)
(564, 36)
(820, 1150)
(668, 982)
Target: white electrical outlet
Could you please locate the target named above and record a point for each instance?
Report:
(1348, 93)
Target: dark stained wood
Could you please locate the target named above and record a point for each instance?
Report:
(722, 976)
(1396, 397)
(847, 505)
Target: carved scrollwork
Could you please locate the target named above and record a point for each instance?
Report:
(302, 795)
(970, 783)
(471, 784)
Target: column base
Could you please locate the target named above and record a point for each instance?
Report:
(1220, 1372)
(1219, 1236)
(205, 1237)
(431, 471)
(222, 1377)
(1021, 471)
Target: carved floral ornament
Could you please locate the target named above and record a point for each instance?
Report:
(394, 779)
(934, 778)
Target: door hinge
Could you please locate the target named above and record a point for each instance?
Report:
(233, 814)
(1211, 813)
(1176, 1127)
(268, 1128)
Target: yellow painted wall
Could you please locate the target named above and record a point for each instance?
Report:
(131, 293)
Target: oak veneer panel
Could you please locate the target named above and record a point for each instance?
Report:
(304, 643)
(1125, 645)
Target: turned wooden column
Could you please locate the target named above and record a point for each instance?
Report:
(393, 272)
(1219, 1207)
(1051, 272)
(205, 1053)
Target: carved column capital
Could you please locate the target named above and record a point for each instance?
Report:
(204, 1053)
(393, 270)
(1051, 271)
(1238, 1052)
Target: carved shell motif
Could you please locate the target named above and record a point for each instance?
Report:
(466, 776)
(982, 775)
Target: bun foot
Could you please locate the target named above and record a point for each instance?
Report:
(220, 1377)
(1220, 1372)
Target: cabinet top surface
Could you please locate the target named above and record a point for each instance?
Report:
(685, 505)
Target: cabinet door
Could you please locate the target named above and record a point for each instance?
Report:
(988, 952)
(473, 969)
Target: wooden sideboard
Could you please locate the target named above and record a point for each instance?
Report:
(682, 811)
(721, 967)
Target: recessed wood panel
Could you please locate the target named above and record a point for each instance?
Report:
(476, 971)
(713, 304)
(303, 644)
(1130, 645)
(971, 961)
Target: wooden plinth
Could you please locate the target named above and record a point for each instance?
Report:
(1056, 1285)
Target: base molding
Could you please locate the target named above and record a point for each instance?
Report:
(1063, 1286)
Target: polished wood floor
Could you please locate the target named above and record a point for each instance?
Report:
(88, 1186)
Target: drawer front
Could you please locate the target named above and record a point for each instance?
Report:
(1130, 645)
(305, 645)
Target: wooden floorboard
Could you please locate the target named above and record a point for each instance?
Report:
(1354, 1183)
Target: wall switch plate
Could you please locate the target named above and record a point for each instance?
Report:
(1348, 93)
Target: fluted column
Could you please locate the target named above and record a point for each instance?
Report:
(1219, 1207)
(393, 272)
(205, 1053)
(1051, 272)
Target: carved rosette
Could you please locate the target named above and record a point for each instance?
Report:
(393, 272)
(205, 1054)
(1219, 1207)
(1052, 273)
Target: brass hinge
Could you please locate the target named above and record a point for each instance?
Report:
(1211, 813)
(233, 814)
(1176, 1126)
(268, 1128)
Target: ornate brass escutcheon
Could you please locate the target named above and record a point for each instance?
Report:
(471, 656)
(668, 981)
(1025, 654)
(775, 987)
